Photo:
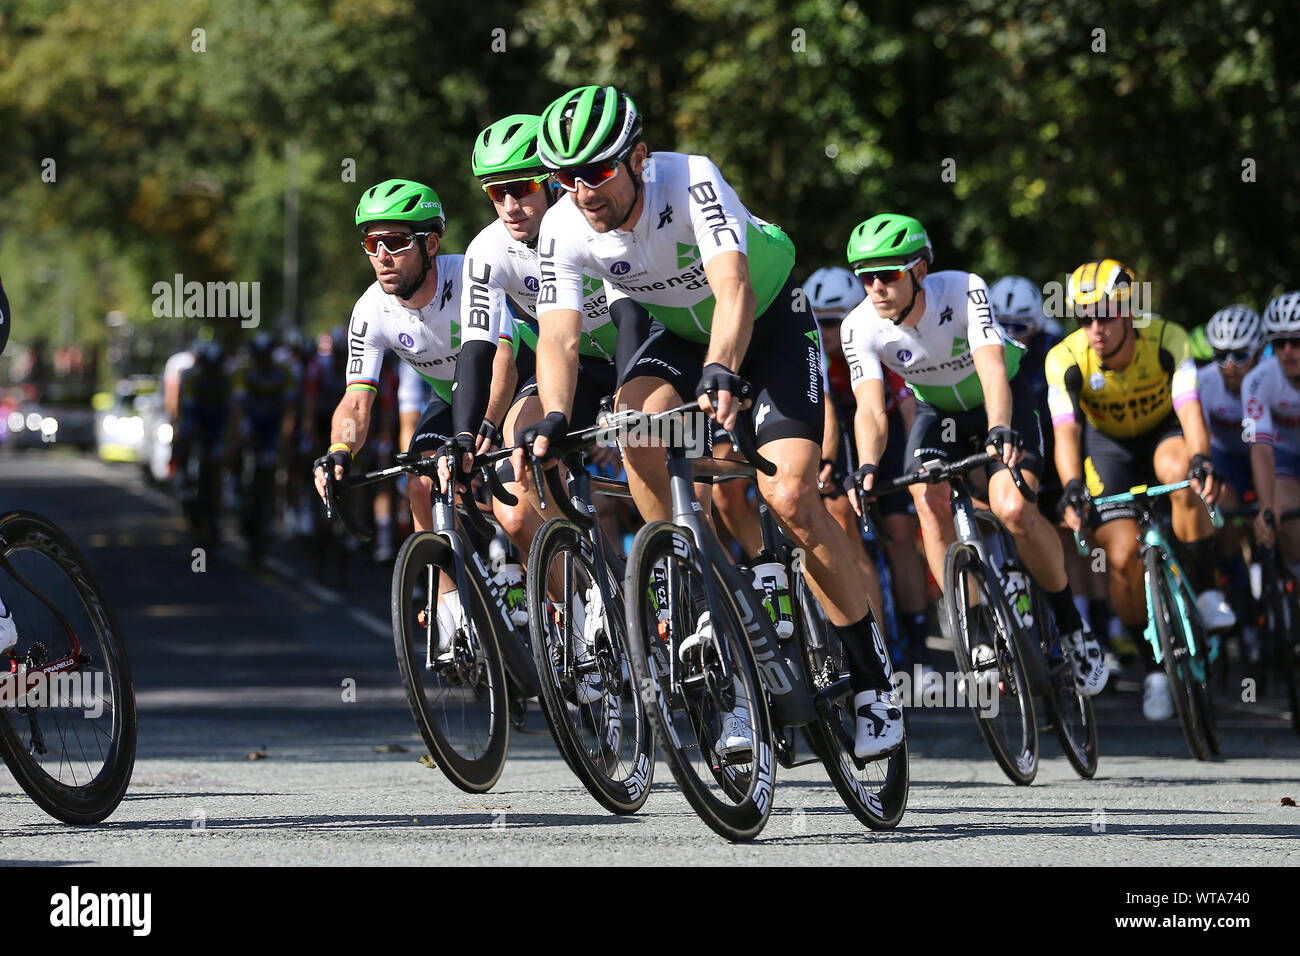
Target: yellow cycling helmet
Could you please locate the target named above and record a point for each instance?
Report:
(1101, 279)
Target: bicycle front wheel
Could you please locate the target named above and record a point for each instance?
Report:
(599, 721)
(715, 691)
(1071, 713)
(450, 666)
(875, 791)
(69, 740)
(996, 688)
(1175, 655)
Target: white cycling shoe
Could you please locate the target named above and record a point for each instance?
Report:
(879, 723)
(1089, 663)
(1157, 702)
(1215, 613)
(588, 625)
(8, 633)
(703, 632)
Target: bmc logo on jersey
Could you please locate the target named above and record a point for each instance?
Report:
(531, 283)
(406, 340)
(621, 268)
(904, 355)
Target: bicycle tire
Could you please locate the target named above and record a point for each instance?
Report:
(80, 598)
(471, 690)
(585, 733)
(875, 793)
(1021, 767)
(1172, 653)
(1072, 715)
(1201, 697)
(678, 722)
(1284, 631)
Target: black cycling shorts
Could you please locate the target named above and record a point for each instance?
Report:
(596, 378)
(782, 365)
(932, 427)
(1113, 465)
(434, 428)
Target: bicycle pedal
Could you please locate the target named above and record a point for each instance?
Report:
(734, 759)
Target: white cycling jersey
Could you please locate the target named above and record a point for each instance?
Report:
(498, 266)
(427, 339)
(1272, 405)
(936, 357)
(412, 389)
(689, 215)
(1222, 410)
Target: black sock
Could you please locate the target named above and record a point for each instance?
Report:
(1199, 563)
(916, 626)
(1067, 615)
(866, 668)
(1099, 612)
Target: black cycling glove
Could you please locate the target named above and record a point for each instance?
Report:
(554, 427)
(716, 377)
(1201, 469)
(490, 432)
(340, 458)
(1074, 496)
(1000, 435)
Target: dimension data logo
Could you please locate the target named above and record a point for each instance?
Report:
(686, 254)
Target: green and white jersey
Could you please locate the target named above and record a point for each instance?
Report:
(498, 267)
(936, 357)
(689, 216)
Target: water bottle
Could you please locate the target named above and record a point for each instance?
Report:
(1016, 587)
(771, 581)
(509, 585)
(659, 590)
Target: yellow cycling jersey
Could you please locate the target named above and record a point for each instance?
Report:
(1123, 404)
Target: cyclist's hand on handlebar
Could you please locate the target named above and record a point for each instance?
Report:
(1201, 475)
(826, 477)
(535, 444)
(720, 393)
(1264, 534)
(339, 459)
(865, 478)
(1006, 445)
(1074, 504)
(466, 445)
(488, 437)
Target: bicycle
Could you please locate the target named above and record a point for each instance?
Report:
(67, 718)
(1173, 629)
(585, 676)
(467, 671)
(677, 569)
(1280, 619)
(1010, 615)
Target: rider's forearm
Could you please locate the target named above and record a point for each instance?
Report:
(1195, 431)
(471, 393)
(505, 379)
(871, 427)
(1263, 465)
(557, 359)
(351, 422)
(733, 310)
(990, 366)
(1069, 451)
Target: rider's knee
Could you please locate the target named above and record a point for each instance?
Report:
(1015, 513)
(790, 501)
(932, 505)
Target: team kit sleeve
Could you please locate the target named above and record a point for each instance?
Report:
(1257, 414)
(1184, 380)
(561, 266)
(365, 353)
(981, 330)
(483, 311)
(1062, 397)
(859, 351)
(718, 219)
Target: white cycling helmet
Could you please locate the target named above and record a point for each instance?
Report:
(1282, 317)
(1234, 327)
(1017, 301)
(833, 291)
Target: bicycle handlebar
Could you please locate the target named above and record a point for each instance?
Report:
(1150, 491)
(938, 471)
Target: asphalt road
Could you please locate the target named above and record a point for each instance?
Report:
(229, 663)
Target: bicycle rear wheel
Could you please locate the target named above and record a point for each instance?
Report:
(1283, 625)
(687, 703)
(874, 791)
(1175, 655)
(71, 743)
(607, 740)
(459, 698)
(998, 691)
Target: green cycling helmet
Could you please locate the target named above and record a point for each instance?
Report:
(508, 146)
(887, 236)
(587, 125)
(401, 200)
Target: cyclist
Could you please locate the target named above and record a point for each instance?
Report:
(833, 293)
(668, 232)
(412, 308)
(201, 439)
(936, 330)
(1236, 334)
(1125, 410)
(262, 394)
(502, 267)
(1272, 405)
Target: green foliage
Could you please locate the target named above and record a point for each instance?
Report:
(170, 159)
